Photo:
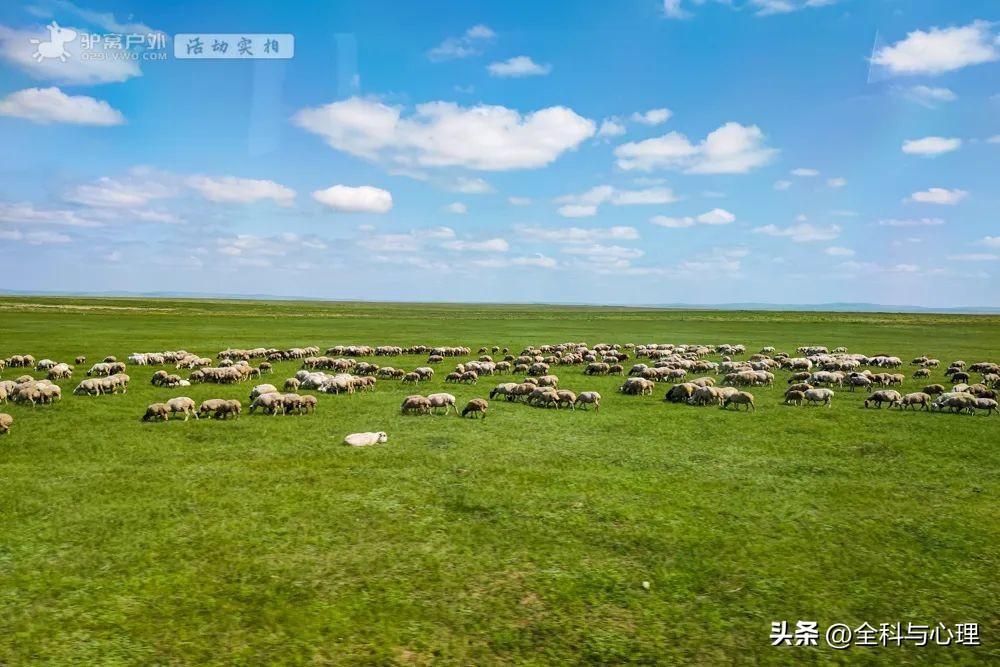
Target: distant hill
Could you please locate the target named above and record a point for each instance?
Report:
(839, 307)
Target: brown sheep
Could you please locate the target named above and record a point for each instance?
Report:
(740, 398)
(6, 421)
(157, 411)
(476, 407)
(794, 396)
(415, 405)
(917, 398)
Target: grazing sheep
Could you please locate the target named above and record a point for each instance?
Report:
(921, 373)
(957, 402)
(366, 439)
(476, 407)
(548, 381)
(637, 386)
(988, 404)
(443, 400)
(705, 396)
(262, 389)
(411, 378)
(794, 396)
(157, 411)
(505, 389)
(740, 398)
(80, 360)
(183, 405)
(820, 395)
(90, 387)
(889, 396)
(210, 406)
(565, 397)
(291, 384)
(292, 403)
(543, 396)
(680, 393)
(933, 389)
(271, 403)
(589, 398)
(6, 421)
(915, 399)
(415, 405)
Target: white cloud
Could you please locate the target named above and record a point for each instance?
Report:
(730, 149)
(974, 257)
(471, 186)
(931, 146)
(230, 189)
(929, 96)
(995, 139)
(361, 199)
(586, 204)
(610, 127)
(939, 196)
(717, 216)
(802, 232)
(577, 210)
(805, 172)
(26, 213)
(837, 182)
(51, 105)
(839, 251)
(672, 10)
(489, 245)
(604, 252)
(517, 67)
(519, 201)
(16, 48)
(563, 235)
(991, 241)
(911, 222)
(470, 43)
(540, 261)
(414, 241)
(652, 117)
(782, 185)
(940, 50)
(443, 134)
(33, 238)
(457, 207)
(114, 193)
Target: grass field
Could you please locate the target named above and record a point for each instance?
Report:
(523, 538)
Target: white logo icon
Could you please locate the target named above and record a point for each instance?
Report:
(56, 46)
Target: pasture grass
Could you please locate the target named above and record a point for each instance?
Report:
(522, 538)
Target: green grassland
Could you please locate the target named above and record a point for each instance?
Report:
(523, 538)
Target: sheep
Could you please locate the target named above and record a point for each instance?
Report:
(988, 404)
(921, 373)
(956, 401)
(157, 411)
(291, 384)
(933, 389)
(6, 421)
(271, 403)
(470, 377)
(308, 404)
(794, 396)
(415, 405)
(366, 439)
(542, 396)
(184, 405)
(915, 399)
(411, 378)
(889, 396)
(442, 400)
(565, 397)
(637, 386)
(80, 360)
(292, 403)
(738, 399)
(589, 398)
(90, 387)
(820, 395)
(680, 393)
(262, 389)
(705, 396)
(548, 381)
(476, 407)
(212, 405)
(505, 389)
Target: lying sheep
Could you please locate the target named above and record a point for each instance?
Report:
(819, 396)
(6, 421)
(740, 398)
(366, 439)
(476, 407)
(589, 398)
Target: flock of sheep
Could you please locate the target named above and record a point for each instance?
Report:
(813, 371)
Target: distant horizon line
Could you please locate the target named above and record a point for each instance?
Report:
(833, 306)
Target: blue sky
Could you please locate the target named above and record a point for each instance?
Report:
(700, 151)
